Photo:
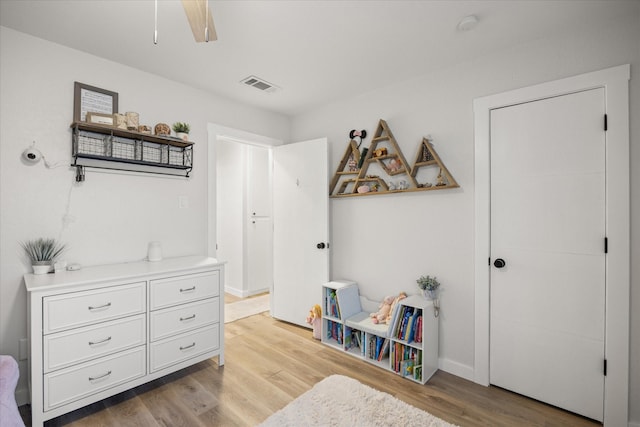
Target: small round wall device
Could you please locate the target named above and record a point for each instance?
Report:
(32, 155)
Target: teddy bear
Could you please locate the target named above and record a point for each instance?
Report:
(383, 310)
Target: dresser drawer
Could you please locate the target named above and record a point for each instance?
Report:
(76, 309)
(190, 344)
(173, 320)
(182, 289)
(71, 384)
(79, 345)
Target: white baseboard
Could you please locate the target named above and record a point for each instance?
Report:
(258, 291)
(457, 369)
(236, 292)
(242, 293)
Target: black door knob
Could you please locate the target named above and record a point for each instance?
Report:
(499, 263)
(321, 245)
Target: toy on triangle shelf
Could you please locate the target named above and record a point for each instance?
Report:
(315, 319)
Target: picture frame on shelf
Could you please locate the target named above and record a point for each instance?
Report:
(100, 119)
(92, 99)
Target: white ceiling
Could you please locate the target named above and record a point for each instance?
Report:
(316, 51)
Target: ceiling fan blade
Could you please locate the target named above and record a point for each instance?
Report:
(196, 11)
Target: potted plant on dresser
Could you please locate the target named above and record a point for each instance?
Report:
(42, 253)
(182, 130)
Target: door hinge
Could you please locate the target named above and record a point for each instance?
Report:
(489, 261)
(606, 125)
(606, 245)
(605, 367)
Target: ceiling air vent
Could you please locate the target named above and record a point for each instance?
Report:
(259, 83)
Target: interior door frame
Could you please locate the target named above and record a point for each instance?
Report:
(214, 133)
(615, 81)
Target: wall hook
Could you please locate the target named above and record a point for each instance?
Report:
(80, 173)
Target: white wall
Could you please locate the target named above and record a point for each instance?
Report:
(114, 215)
(386, 242)
(230, 163)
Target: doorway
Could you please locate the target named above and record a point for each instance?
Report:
(614, 81)
(241, 226)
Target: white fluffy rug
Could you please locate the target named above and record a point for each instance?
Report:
(245, 308)
(342, 401)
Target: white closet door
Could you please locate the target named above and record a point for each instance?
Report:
(548, 225)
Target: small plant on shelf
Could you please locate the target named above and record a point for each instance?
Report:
(43, 253)
(429, 286)
(182, 130)
(181, 127)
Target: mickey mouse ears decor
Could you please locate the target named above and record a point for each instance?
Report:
(362, 134)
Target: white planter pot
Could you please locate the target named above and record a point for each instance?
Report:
(431, 295)
(41, 268)
(183, 136)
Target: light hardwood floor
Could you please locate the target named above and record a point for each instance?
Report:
(269, 363)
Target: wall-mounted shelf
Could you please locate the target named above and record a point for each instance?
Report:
(106, 147)
(392, 174)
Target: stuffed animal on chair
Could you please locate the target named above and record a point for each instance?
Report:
(383, 310)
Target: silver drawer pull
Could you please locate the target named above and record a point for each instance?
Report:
(100, 306)
(182, 319)
(188, 346)
(193, 288)
(99, 376)
(99, 342)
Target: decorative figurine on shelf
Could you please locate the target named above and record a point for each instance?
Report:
(394, 165)
(403, 185)
(379, 152)
(383, 310)
(315, 320)
(440, 182)
(364, 189)
(162, 129)
(353, 165)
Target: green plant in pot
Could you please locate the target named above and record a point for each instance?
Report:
(429, 286)
(43, 253)
(182, 130)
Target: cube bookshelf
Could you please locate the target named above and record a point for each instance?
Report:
(408, 346)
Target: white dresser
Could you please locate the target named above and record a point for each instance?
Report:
(102, 330)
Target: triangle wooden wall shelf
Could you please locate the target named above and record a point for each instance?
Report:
(393, 174)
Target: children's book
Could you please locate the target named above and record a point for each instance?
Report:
(406, 368)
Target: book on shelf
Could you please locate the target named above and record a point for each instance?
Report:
(406, 368)
(384, 350)
(418, 334)
(334, 331)
(413, 327)
(417, 372)
(371, 347)
(332, 308)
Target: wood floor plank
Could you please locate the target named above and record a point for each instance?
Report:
(269, 363)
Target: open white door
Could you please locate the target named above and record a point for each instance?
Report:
(301, 228)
